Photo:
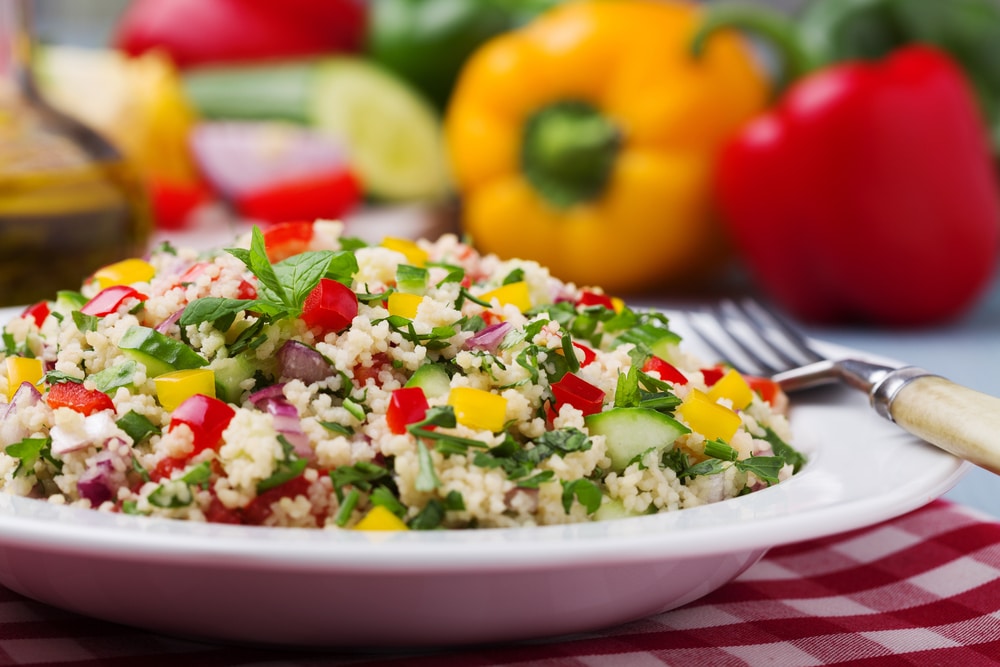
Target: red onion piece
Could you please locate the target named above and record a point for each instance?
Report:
(300, 362)
(286, 418)
(98, 427)
(102, 479)
(274, 391)
(239, 157)
(164, 326)
(489, 339)
(25, 397)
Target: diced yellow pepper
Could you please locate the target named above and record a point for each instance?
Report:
(734, 387)
(23, 369)
(125, 272)
(175, 387)
(404, 305)
(414, 254)
(478, 409)
(514, 294)
(379, 518)
(707, 417)
(618, 305)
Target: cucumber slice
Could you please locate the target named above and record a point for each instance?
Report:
(432, 378)
(612, 508)
(229, 373)
(393, 135)
(631, 431)
(158, 353)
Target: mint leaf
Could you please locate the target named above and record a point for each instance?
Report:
(427, 479)
(300, 274)
(764, 467)
(114, 377)
(585, 491)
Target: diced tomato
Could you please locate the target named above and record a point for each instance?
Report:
(407, 405)
(207, 418)
(286, 239)
(260, 507)
(75, 396)
(713, 375)
(37, 312)
(588, 298)
(330, 306)
(579, 393)
(588, 354)
(216, 512)
(364, 373)
(245, 290)
(666, 371)
(166, 467)
(109, 299)
(327, 195)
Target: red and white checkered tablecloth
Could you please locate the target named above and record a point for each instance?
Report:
(923, 589)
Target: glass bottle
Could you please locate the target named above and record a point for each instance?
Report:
(69, 202)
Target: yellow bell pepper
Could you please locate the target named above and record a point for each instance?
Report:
(704, 415)
(21, 370)
(587, 140)
(379, 518)
(125, 272)
(403, 305)
(414, 254)
(734, 387)
(478, 409)
(515, 294)
(175, 387)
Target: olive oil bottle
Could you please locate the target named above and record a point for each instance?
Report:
(69, 202)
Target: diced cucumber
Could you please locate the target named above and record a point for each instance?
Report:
(432, 378)
(158, 353)
(229, 373)
(612, 508)
(631, 431)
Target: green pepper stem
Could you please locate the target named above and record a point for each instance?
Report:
(568, 151)
(778, 32)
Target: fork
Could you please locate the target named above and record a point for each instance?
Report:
(756, 341)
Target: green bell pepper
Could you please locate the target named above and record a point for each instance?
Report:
(426, 42)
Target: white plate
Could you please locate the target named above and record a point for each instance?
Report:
(340, 588)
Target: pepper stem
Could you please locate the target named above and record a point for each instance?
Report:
(776, 30)
(568, 151)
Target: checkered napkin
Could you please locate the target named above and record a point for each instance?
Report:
(923, 589)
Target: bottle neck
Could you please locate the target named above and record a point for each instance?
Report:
(16, 34)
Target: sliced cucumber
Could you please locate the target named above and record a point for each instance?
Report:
(229, 373)
(158, 353)
(393, 134)
(631, 431)
(432, 378)
(612, 508)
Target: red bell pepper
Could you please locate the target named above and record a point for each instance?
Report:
(207, 418)
(75, 396)
(867, 194)
(579, 393)
(330, 306)
(109, 299)
(37, 312)
(666, 371)
(407, 405)
(196, 32)
(329, 194)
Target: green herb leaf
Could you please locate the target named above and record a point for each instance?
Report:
(585, 491)
(383, 497)
(362, 475)
(627, 389)
(137, 426)
(346, 507)
(55, 377)
(717, 449)
(114, 377)
(27, 451)
(784, 450)
(764, 467)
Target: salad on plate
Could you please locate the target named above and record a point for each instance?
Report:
(304, 378)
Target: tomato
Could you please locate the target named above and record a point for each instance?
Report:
(75, 396)
(245, 290)
(665, 370)
(286, 239)
(330, 306)
(260, 507)
(588, 298)
(207, 418)
(166, 467)
(407, 405)
(173, 201)
(37, 312)
(766, 388)
(109, 299)
(713, 375)
(364, 373)
(579, 393)
(328, 195)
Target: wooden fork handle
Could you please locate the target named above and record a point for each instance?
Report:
(950, 416)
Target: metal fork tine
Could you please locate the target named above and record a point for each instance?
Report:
(709, 338)
(768, 320)
(730, 316)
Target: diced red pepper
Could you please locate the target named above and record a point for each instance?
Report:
(588, 354)
(326, 195)
(245, 290)
(260, 507)
(588, 298)
(579, 393)
(75, 396)
(286, 239)
(109, 299)
(330, 306)
(713, 375)
(407, 405)
(37, 312)
(766, 388)
(207, 418)
(666, 371)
